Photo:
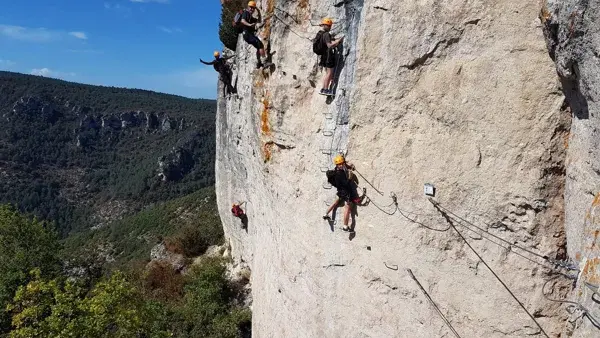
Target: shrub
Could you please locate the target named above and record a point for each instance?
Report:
(26, 244)
(208, 303)
(162, 282)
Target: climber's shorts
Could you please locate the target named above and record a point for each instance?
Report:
(253, 40)
(328, 58)
(347, 196)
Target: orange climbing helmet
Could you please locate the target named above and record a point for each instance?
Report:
(217, 54)
(327, 22)
(339, 159)
(251, 3)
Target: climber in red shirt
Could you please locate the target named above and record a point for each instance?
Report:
(237, 211)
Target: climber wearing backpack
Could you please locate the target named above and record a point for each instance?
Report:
(344, 180)
(325, 46)
(249, 23)
(221, 66)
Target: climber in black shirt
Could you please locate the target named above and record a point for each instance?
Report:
(329, 59)
(345, 181)
(221, 66)
(250, 23)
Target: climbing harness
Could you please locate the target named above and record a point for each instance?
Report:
(433, 303)
(369, 183)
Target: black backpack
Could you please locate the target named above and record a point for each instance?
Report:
(237, 21)
(330, 177)
(319, 46)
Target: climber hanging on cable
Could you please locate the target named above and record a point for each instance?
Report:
(221, 66)
(249, 24)
(345, 181)
(326, 46)
(237, 211)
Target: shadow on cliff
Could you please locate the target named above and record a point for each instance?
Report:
(575, 98)
(339, 66)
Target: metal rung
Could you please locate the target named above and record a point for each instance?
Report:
(324, 169)
(327, 186)
(328, 116)
(327, 132)
(326, 151)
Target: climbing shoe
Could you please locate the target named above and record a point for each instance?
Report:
(323, 91)
(346, 228)
(327, 217)
(329, 92)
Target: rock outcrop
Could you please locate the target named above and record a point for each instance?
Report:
(572, 30)
(459, 94)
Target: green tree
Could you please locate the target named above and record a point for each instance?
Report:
(25, 244)
(227, 34)
(113, 308)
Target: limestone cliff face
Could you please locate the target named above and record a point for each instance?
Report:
(460, 94)
(572, 30)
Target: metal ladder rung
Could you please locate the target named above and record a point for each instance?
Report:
(327, 186)
(326, 151)
(328, 116)
(327, 132)
(323, 169)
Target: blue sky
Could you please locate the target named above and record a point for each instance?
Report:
(147, 44)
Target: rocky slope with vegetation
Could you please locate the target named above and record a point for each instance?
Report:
(126, 239)
(84, 156)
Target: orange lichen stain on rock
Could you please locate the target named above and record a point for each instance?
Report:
(578, 256)
(596, 201)
(545, 14)
(590, 271)
(566, 139)
(595, 241)
(264, 117)
(267, 151)
(270, 8)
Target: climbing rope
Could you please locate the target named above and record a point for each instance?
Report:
(497, 277)
(576, 305)
(554, 262)
(433, 303)
(289, 26)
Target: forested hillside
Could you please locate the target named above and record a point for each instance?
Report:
(84, 155)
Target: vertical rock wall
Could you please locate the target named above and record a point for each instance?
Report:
(572, 30)
(457, 93)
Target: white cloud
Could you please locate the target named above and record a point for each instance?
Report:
(117, 8)
(28, 34)
(6, 63)
(51, 73)
(33, 34)
(170, 30)
(85, 51)
(79, 35)
(157, 1)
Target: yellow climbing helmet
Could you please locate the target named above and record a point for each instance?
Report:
(252, 4)
(217, 54)
(327, 21)
(339, 159)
